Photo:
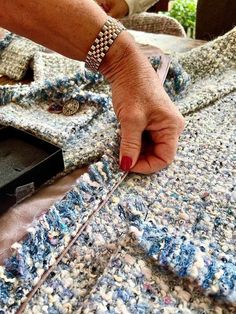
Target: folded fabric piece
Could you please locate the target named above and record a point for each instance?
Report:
(154, 23)
(188, 207)
(213, 58)
(17, 54)
(51, 65)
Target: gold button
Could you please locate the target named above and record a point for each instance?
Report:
(70, 107)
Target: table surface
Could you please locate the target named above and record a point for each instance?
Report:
(13, 224)
(167, 43)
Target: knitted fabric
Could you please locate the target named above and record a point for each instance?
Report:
(154, 23)
(50, 65)
(193, 235)
(160, 243)
(15, 58)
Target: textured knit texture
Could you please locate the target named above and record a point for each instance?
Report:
(154, 23)
(15, 58)
(52, 65)
(163, 243)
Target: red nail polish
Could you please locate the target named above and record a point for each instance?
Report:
(126, 163)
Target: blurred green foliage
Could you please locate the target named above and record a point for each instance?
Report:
(184, 11)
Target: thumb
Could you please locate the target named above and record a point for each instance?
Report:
(130, 147)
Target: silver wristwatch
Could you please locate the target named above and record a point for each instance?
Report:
(110, 30)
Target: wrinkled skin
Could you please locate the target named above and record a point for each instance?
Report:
(150, 123)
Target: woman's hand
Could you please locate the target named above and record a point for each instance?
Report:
(150, 123)
(114, 8)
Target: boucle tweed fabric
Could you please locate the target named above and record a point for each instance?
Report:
(4, 43)
(154, 23)
(16, 56)
(163, 243)
(193, 236)
(47, 65)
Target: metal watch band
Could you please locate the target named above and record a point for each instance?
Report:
(110, 30)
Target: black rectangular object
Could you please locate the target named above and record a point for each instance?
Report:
(26, 162)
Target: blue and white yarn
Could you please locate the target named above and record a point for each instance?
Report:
(92, 276)
(61, 89)
(46, 240)
(187, 260)
(65, 88)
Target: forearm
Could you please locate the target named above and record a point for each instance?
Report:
(66, 26)
(70, 27)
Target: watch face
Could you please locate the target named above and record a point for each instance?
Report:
(70, 107)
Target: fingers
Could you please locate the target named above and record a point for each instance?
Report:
(130, 147)
(162, 155)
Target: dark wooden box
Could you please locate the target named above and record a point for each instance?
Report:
(26, 162)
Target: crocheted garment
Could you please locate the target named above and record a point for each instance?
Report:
(163, 243)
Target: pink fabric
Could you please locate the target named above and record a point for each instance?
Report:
(14, 223)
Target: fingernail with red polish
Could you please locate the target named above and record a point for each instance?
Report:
(126, 163)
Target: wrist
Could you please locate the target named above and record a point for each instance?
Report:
(125, 63)
(120, 57)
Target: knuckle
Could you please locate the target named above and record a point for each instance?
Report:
(134, 116)
(128, 143)
(177, 124)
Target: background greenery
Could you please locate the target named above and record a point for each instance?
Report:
(184, 11)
